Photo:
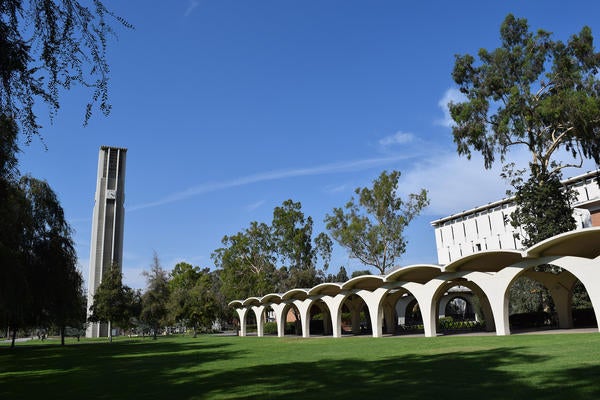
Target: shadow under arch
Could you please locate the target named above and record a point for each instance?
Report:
(458, 306)
(582, 308)
(268, 317)
(401, 312)
(320, 322)
(482, 317)
(556, 281)
(354, 315)
(290, 320)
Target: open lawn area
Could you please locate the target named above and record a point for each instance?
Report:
(551, 366)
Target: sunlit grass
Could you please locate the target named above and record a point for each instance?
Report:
(530, 366)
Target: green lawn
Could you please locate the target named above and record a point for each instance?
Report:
(562, 367)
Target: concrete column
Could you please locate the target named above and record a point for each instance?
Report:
(355, 306)
(563, 301)
(560, 287)
(424, 295)
(401, 308)
(388, 317)
(443, 303)
(588, 272)
(335, 310)
(326, 321)
(242, 314)
(495, 287)
(260, 321)
(374, 303)
(304, 308)
(280, 317)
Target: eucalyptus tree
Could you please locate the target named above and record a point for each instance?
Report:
(246, 262)
(296, 248)
(535, 93)
(371, 227)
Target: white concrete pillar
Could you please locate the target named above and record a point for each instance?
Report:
(280, 317)
(326, 321)
(588, 272)
(260, 320)
(355, 305)
(242, 312)
(560, 287)
(304, 310)
(388, 317)
(495, 286)
(335, 310)
(401, 308)
(374, 303)
(424, 295)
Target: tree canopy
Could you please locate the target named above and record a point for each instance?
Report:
(371, 227)
(540, 94)
(192, 302)
(531, 91)
(48, 46)
(265, 258)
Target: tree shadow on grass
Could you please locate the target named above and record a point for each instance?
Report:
(212, 369)
(134, 369)
(569, 383)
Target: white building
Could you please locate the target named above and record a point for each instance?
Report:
(488, 227)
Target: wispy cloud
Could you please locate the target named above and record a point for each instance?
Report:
(254, 206)
(452, 95)
(337, 188)
(333, 168)
(192, 5)
(397, 138)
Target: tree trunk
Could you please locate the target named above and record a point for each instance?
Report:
(62, 335)
(109, 332)
(154, 334)
(195, 333)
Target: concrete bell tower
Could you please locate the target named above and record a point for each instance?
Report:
(107, 224)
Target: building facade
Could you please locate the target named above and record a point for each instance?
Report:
(107, 223)
(488, 227)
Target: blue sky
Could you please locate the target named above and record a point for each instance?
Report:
(228, 108)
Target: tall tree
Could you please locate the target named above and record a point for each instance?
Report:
(371, 227)
(192, 301)
(156, 297)
(295, 246)
(246, 262)
(48, 46)
(14, 217)
(112, 302)
(536, 93)
(43, 286)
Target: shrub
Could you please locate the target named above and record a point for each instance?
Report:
(270, 328)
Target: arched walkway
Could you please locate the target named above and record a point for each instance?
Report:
(384, 300)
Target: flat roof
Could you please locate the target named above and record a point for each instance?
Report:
(508, 200)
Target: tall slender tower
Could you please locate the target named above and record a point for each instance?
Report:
(107, 223)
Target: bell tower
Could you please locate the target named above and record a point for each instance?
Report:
(107, 224)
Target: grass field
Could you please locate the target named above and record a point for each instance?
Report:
(563, 366)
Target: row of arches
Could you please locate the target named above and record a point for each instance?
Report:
(380, 304)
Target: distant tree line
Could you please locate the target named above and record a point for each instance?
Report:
(273, 258)
(185, 299)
